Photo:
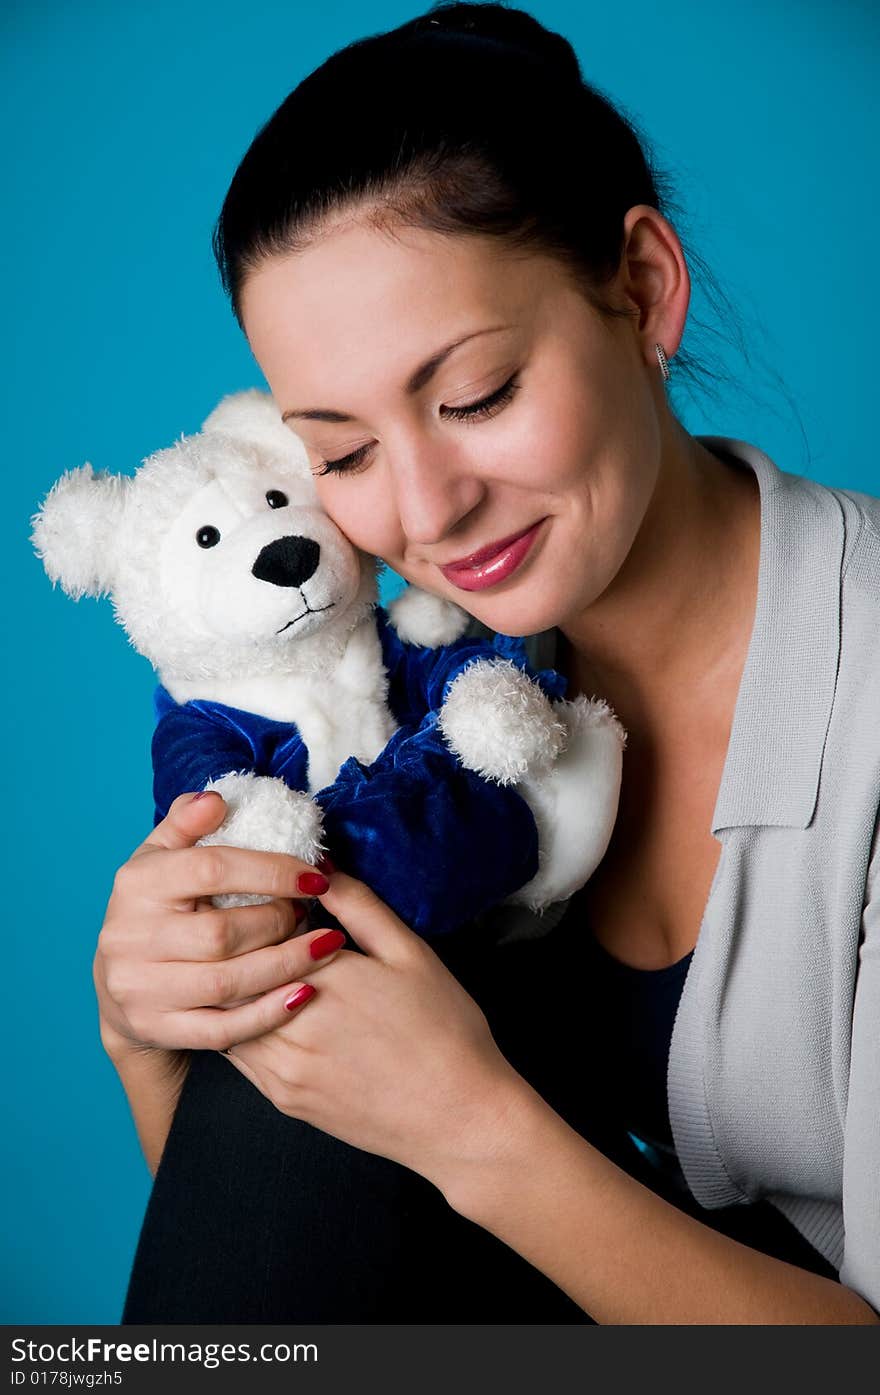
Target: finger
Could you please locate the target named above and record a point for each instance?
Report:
(229, 982)
(260, 1053)
(211, 933)
(368, 920)
(185, 874)
(190, 817)
(217, 1028)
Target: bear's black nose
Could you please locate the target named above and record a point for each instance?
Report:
(287, 561)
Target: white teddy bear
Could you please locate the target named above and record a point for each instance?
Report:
(230, 578)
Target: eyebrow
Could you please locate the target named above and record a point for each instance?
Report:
(414, 383)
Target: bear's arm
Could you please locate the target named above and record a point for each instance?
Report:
(189, 748)
(435, 841)
(419, 678)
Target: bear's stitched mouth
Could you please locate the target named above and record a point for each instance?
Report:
(308, 611)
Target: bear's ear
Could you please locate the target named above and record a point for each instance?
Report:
(254, 416)
(76, 527)
(247, 414)
(422, 618)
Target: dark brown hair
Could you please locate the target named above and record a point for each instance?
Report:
(469, 119)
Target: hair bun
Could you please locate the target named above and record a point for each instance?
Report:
(497, 21)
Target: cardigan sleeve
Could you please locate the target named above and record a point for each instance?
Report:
(861, 1147)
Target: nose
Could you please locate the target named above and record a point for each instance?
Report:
(287, 561)
(433, 491)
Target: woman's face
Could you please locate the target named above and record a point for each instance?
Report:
(534, 444)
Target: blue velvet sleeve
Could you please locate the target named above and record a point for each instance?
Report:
(436, 842)
(418, 678)
(194, 742)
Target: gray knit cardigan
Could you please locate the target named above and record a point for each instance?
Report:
(774, 1065)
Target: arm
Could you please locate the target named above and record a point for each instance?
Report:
(423, 810)
(152, 1079)
(419, 677)
(622, 1253)
(173, 975)
(193, 743)
(394, 1057)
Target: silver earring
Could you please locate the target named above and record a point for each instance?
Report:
(663, 361)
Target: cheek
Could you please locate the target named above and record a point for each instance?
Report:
(555, 434)
(362, 509)
(559, 451)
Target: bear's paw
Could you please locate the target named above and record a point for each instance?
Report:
(426, 620)
(575, 803)
(500, 723)
(265, 814)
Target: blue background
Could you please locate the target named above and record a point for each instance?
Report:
(126, 125)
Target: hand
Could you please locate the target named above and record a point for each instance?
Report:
(172, 971)
(391, 1054)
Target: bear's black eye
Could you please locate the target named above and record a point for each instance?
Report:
(276, 500)
(209, 536)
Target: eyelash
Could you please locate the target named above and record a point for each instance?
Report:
(487, 407)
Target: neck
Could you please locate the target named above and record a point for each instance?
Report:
(274, 695)
(669, 625)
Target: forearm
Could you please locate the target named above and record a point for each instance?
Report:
(152, 1079)
(618, 1250)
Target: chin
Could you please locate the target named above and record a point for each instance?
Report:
(513, 614)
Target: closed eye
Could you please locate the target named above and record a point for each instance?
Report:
(472, 411)
(487, 406)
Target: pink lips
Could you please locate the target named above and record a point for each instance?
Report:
(491, 564)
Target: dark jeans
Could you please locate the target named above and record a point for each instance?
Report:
(255, 1217)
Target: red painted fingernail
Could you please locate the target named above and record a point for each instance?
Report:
(301, 995)
(325, 944)
(299, 911)
(326, 864)
(201, 794)
(312, 883)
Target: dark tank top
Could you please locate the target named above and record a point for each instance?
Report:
(636, 1009)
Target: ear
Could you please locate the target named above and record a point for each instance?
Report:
(76, 527)
(255, 417)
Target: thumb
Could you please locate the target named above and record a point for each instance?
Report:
(190, 817)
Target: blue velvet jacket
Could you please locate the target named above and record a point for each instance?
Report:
(438, 843)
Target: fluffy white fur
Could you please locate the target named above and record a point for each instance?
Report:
(74, 532)
(420, 618)
(268, 816)
(255, 417)
(574, 804)
(308, 653)
(499, 723)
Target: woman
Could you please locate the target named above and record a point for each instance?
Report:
(471, 335)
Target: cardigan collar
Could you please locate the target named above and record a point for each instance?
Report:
(783, 706)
